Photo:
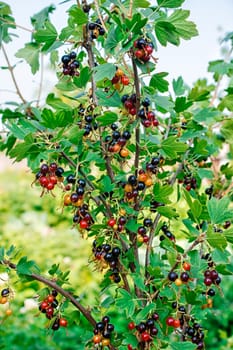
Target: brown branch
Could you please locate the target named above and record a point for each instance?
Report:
(86, 313)
(41, 79)
(130, 9)
(137, 131)
(16, 25)
(99, 15)
(11, 70)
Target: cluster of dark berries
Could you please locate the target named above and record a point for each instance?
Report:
(5, 293)
(145, 331)
(194, 333)
(120, 79)
(143, 49)
(88, 124)
(117, 225)
(129, 103)
(180, 315)
(190, 182)
(49, 176)
(143, 230)
(166, 233)
(96, 29)
(103, 331)
(83, 217)
(48, 306)
(132, 188)
(116, 142)
(70, 64)
(107, 256)
(179, 280)
(147, 116)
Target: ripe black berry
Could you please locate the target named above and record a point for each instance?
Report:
(59, 172)
(132, 180)
(211, 292)
(105, 319)
(172, 276)
(147, 222)
(184, 276)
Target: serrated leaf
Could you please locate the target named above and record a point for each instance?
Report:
(39, 18)
(178, 86)
(216, 239)
(171, 146)
(205, 173)
(163, 103)
(56, 102)
(162, 192)
(25, 267)
(185, 29)
(158, 82)
(126, 302)
(107, 118)
(104, 71)
(166, 32)
(218, 210)
(226, 102)
(106, 184)
(132, 225)
(207, 115)
(107, 100)
(78, 15)
(83, 78)
(167, 212)
(143, 314)
(181, 104)
(227, 130)
(170, 3)
(113, 39)
(30, 53)
(194, 205)
(47, 35)
(229, 235)
(220, 67)
(2, 251)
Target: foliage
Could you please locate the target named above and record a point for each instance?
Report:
(134, 160)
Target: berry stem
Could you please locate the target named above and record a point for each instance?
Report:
(99, 15)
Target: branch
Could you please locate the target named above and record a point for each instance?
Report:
(86, 313)
(99, 15)
(11, 70)
(137, 131)
(16, 25)
(41, 79)
(130, 9)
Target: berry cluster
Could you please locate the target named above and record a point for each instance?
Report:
(190, 182)
(96, 29)
(166, 233)
(195, 334)
(70, 64)
(6, 295)
(130, 103)
(145, 331)
(143, 49)
(119, 79)
(89, 124)
(49, 176)
(142, 230)
(211, 276)
(147, 116)
(179, 280)
(48, 306)
(117, 141)
(102, 332)
(117, 225)
(107, 256)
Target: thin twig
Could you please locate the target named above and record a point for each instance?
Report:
(16, 25)
(41, 79)
(130, 9)
(99, 15)
(11, 70)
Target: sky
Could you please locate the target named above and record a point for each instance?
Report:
(213, 19)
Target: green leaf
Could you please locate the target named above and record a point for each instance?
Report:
(163, 103)
(216, 239)
(185, 29)
(107, 118)
(108, 100)
(226, 102)
(132, 225)
(183, 346)
(195, 206)
(229, 235)
(4, 9)
(25, 267)
(168, 212)
(171, 146)
(178, 86)
(162, 192)
(181, 104)
(30, 53)
(2, 250)
(158, 82)
(106, 184)
(220, 67)
(143, 314)
(218, 210)
(170, 3)
(47, 35)
(126, 302)
(104, 71)
(141, 4)
(207, 115)
(205, 173)
(166, 32)
(113, 39)
(82, 80)
(227, 130)
(78, 15)
(57, 103)
(39, 18)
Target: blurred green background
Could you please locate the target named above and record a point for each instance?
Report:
(42, 230)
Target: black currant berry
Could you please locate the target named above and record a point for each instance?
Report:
(172, 276)
(132, 180)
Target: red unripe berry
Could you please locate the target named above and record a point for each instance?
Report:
(176, 323)
(208, 281)
(129, 347)
(128, 104)
(111, 222)
(50, 186)
(133, 111)
(145, 239)
(150, 115)
(148, 49)
(139, 53)
(146, 123)
(83, 224)
(155, 122)
(53, 179)
(186, 266)
(115, 79)
(50, 298)
(44, 181)
(170, 321)
(125, 80)
(145, 337)
(44, 305)
(63, 322)
(131, 325)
